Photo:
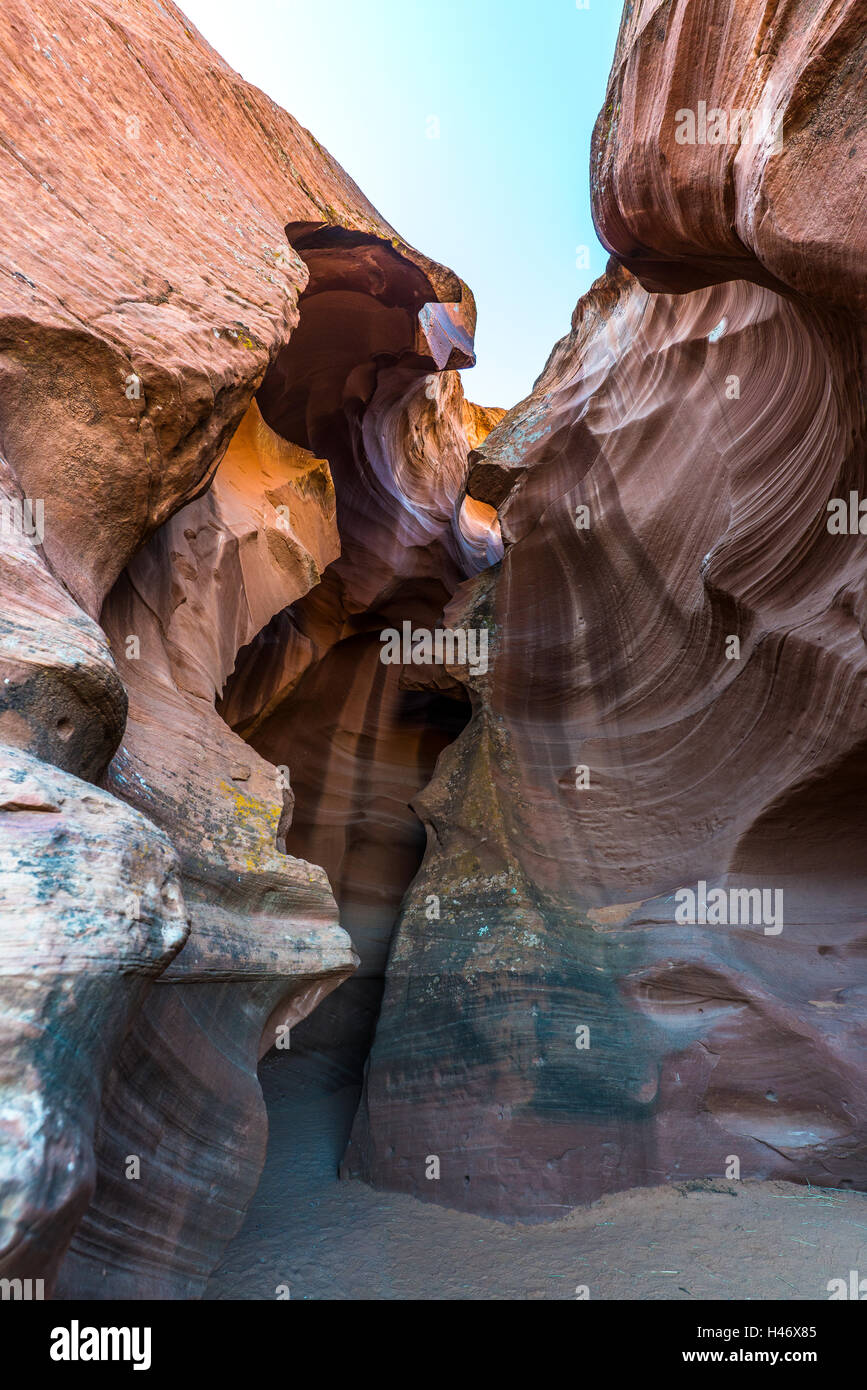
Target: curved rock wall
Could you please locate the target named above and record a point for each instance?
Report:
(312, 691)
(151, 284)
(675, 709)
(686, 205)
(234, 456)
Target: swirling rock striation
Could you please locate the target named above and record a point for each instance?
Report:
(676, 697)
(776, 93)
(368, 380)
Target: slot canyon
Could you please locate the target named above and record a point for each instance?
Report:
(293, 932)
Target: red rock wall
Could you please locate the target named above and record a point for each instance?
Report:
(235, 390)
(704, 433)
(152, 284)
(311, 691)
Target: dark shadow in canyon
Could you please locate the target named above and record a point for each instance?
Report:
(358, 748)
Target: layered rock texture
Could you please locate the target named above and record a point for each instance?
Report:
(235, 455)
(160, 927)
(676, 697)
(311, 692)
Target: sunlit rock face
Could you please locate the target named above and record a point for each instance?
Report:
(153, 285)
(712, 153)
(676, 701)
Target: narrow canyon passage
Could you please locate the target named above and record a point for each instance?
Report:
(360, 749)
(253, 611)
(366, 382)
(333, 965)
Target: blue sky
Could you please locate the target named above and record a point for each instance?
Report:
(467, 123)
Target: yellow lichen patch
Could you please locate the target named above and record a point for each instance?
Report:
(257, 821)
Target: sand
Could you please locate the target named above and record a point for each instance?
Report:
(327, 1239)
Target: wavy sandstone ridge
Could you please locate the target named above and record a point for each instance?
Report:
(559, 1031)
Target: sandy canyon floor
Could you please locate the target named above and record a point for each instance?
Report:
(328, 1239)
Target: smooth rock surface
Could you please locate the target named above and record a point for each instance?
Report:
(750, 196)
(649, 515)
